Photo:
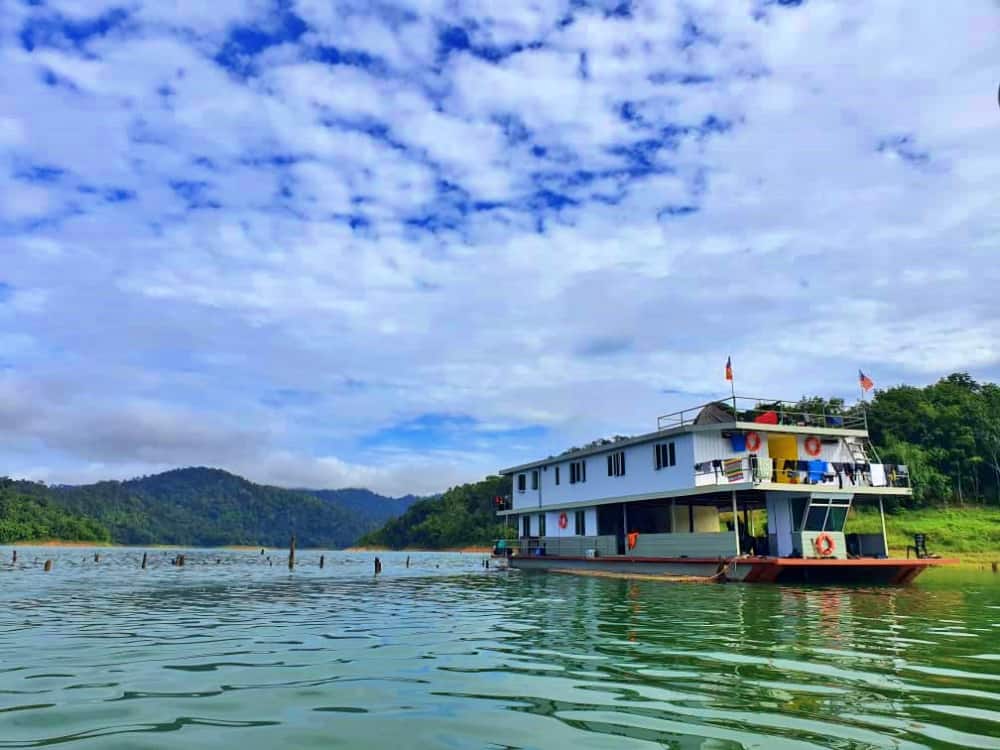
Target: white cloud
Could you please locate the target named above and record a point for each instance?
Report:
(551, 228)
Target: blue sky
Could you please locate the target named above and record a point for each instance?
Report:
(401, 245)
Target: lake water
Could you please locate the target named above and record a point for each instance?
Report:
(229, 651)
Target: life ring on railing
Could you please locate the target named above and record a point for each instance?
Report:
(813, 446)
(753, 441)
(824, 545)
(563, 521)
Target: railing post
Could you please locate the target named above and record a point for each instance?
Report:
(736, 525)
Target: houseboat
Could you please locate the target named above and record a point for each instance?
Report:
(681, 500)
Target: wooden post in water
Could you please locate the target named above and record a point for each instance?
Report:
(144, 560)
(97, 557)
(180, 561)
(322, 559)
(14, 560)
(291, 553)
(48, 565)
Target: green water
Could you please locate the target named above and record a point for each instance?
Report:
(232, 652)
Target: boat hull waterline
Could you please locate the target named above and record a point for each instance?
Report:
(744, 569)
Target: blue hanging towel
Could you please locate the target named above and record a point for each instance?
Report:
(739, 442)
(816, 471)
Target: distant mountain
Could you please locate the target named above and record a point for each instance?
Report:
(464, 515)
(211, 507)
(370, 505)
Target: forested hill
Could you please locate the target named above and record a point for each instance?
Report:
(948, 434)
(32, 516)
(209, 507)
(464, 515)
(370, 505)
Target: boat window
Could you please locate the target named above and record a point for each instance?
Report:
(525, 525)
(541, 524)
(520, 483)
(798, 510)
(664, 454)
(577, 472)
(835, 521)
(534, 479)
(616, 464)
(581, 523)
(557, 475)
(816, 518)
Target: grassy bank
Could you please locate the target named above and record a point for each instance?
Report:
(972, 534)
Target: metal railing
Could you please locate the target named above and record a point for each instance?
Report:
(766, 411)
(842, 475)
(565, 546)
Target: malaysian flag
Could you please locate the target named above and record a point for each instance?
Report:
(866, 382)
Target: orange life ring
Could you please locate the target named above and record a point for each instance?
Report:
(813, 446)
(563, 521)
(753, 441)
(824, 544)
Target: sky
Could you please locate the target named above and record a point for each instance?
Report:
(401, 245)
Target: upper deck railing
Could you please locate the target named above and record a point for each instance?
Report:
(766, 411)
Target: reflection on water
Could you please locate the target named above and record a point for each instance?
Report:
(232, 651)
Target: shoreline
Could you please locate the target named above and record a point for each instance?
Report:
(472, 548)
(67, 544)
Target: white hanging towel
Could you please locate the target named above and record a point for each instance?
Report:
(878, 475)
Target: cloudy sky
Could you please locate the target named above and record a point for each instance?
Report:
(402, 245)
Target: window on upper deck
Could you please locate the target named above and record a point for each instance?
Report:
(557, 475)
(577, 471)
(534, 479)
(664, 454)
(520, 483)
(616, 464)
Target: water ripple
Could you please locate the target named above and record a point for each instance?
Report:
(232, 651)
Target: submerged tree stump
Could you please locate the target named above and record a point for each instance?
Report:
(144, 560)
(48, 565)
(291, 552)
